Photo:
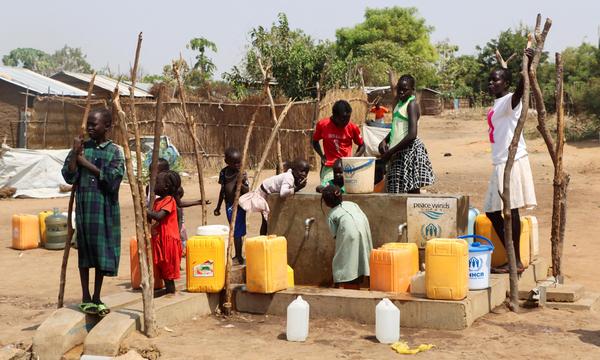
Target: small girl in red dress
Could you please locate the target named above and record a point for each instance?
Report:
(166, 242)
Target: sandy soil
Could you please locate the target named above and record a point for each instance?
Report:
(29, 289)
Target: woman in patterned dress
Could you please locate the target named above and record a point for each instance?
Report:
(409, 167)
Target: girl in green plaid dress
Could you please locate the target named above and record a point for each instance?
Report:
(95, 167)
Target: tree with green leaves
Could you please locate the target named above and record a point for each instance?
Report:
(296, 61)
(65, 59)
(204, 66)
(394, 38)
(456, 74)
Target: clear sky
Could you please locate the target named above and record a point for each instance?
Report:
(107, 30)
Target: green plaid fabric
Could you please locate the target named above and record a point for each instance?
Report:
(97, 207)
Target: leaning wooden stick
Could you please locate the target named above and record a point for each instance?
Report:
(65, 260)
(189, 120)
(158, 128)
(145, 242)
(238, 188)
(267, 149)
(147, 292)
(266, 79)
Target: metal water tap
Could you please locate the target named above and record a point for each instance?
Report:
(401, 229)
(308, 223)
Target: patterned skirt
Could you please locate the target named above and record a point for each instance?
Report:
(409, 169)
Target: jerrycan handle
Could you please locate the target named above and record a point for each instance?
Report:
(477, 237)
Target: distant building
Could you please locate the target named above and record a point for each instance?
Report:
(103, 85)
(18, 91)
(430, 101)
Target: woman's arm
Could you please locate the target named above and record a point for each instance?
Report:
(518, 94)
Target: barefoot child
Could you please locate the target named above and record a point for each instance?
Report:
(338, 178)
(284, 184)
(96, 167)
(350, 229)
(502, 120)
(228, 180)
(166, 241)
(409, 166)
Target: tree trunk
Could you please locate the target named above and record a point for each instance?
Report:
(158, 129)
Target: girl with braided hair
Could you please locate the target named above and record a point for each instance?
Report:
(166, 242)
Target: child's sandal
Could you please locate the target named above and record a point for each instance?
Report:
(89, 308)
(103, 310)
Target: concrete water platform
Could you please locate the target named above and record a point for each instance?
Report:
(359, 305)
(311, 258)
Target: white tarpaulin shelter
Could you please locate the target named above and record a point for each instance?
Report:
(34, 173)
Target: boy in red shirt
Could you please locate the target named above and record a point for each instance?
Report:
(338, 134)
(379, 112)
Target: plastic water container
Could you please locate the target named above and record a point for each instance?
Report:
(387, 322)
(410, 246)
(134, 268)
(25, 231)
(205, 264)
(447, 264)
(483, 227)
(392, 269)
(42, 218)
(297, 320)
(417, 284)
(216, 230)
(266, 264)
(534, 236)
(473, 212)
(56, 231)
(359, 174)
(480, 262)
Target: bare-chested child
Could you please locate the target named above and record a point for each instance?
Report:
(228, 180)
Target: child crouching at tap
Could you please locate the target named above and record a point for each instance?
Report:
(284, 184)
(352, 233)
(166, 241)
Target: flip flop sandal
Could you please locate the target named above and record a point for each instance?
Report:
(89, 308)
(103, 310)
(502, 269)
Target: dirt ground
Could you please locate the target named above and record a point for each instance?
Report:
(460, 154)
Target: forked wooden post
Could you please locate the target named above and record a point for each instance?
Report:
(266, 79)
(158, 129)
(67, 249)
(238, 188)
(192, 130)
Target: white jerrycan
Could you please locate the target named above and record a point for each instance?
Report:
(297, 320)
(387, 322)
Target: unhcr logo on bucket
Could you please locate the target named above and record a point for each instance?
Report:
(475, 265)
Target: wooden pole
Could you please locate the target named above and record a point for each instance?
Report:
(266, 78)
(189, 120)
(147, 292)
(506, 205)
(238, 188)
(45, 124)
(267, 150)
(65, 260)
(555, 149)
(142, 226)
(158, 129)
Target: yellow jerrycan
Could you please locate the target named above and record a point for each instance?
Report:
(205, 264)
(447, 269)
(483, 227)
(25, 231)
(266, 264)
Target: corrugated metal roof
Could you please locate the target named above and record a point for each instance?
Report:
(37, 83)
(107, 83)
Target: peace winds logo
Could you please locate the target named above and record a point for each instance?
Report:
(433, 215)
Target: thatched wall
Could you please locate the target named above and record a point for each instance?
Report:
(218, 125)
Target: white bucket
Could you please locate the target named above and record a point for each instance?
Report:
(480, 261)
(359, 174)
